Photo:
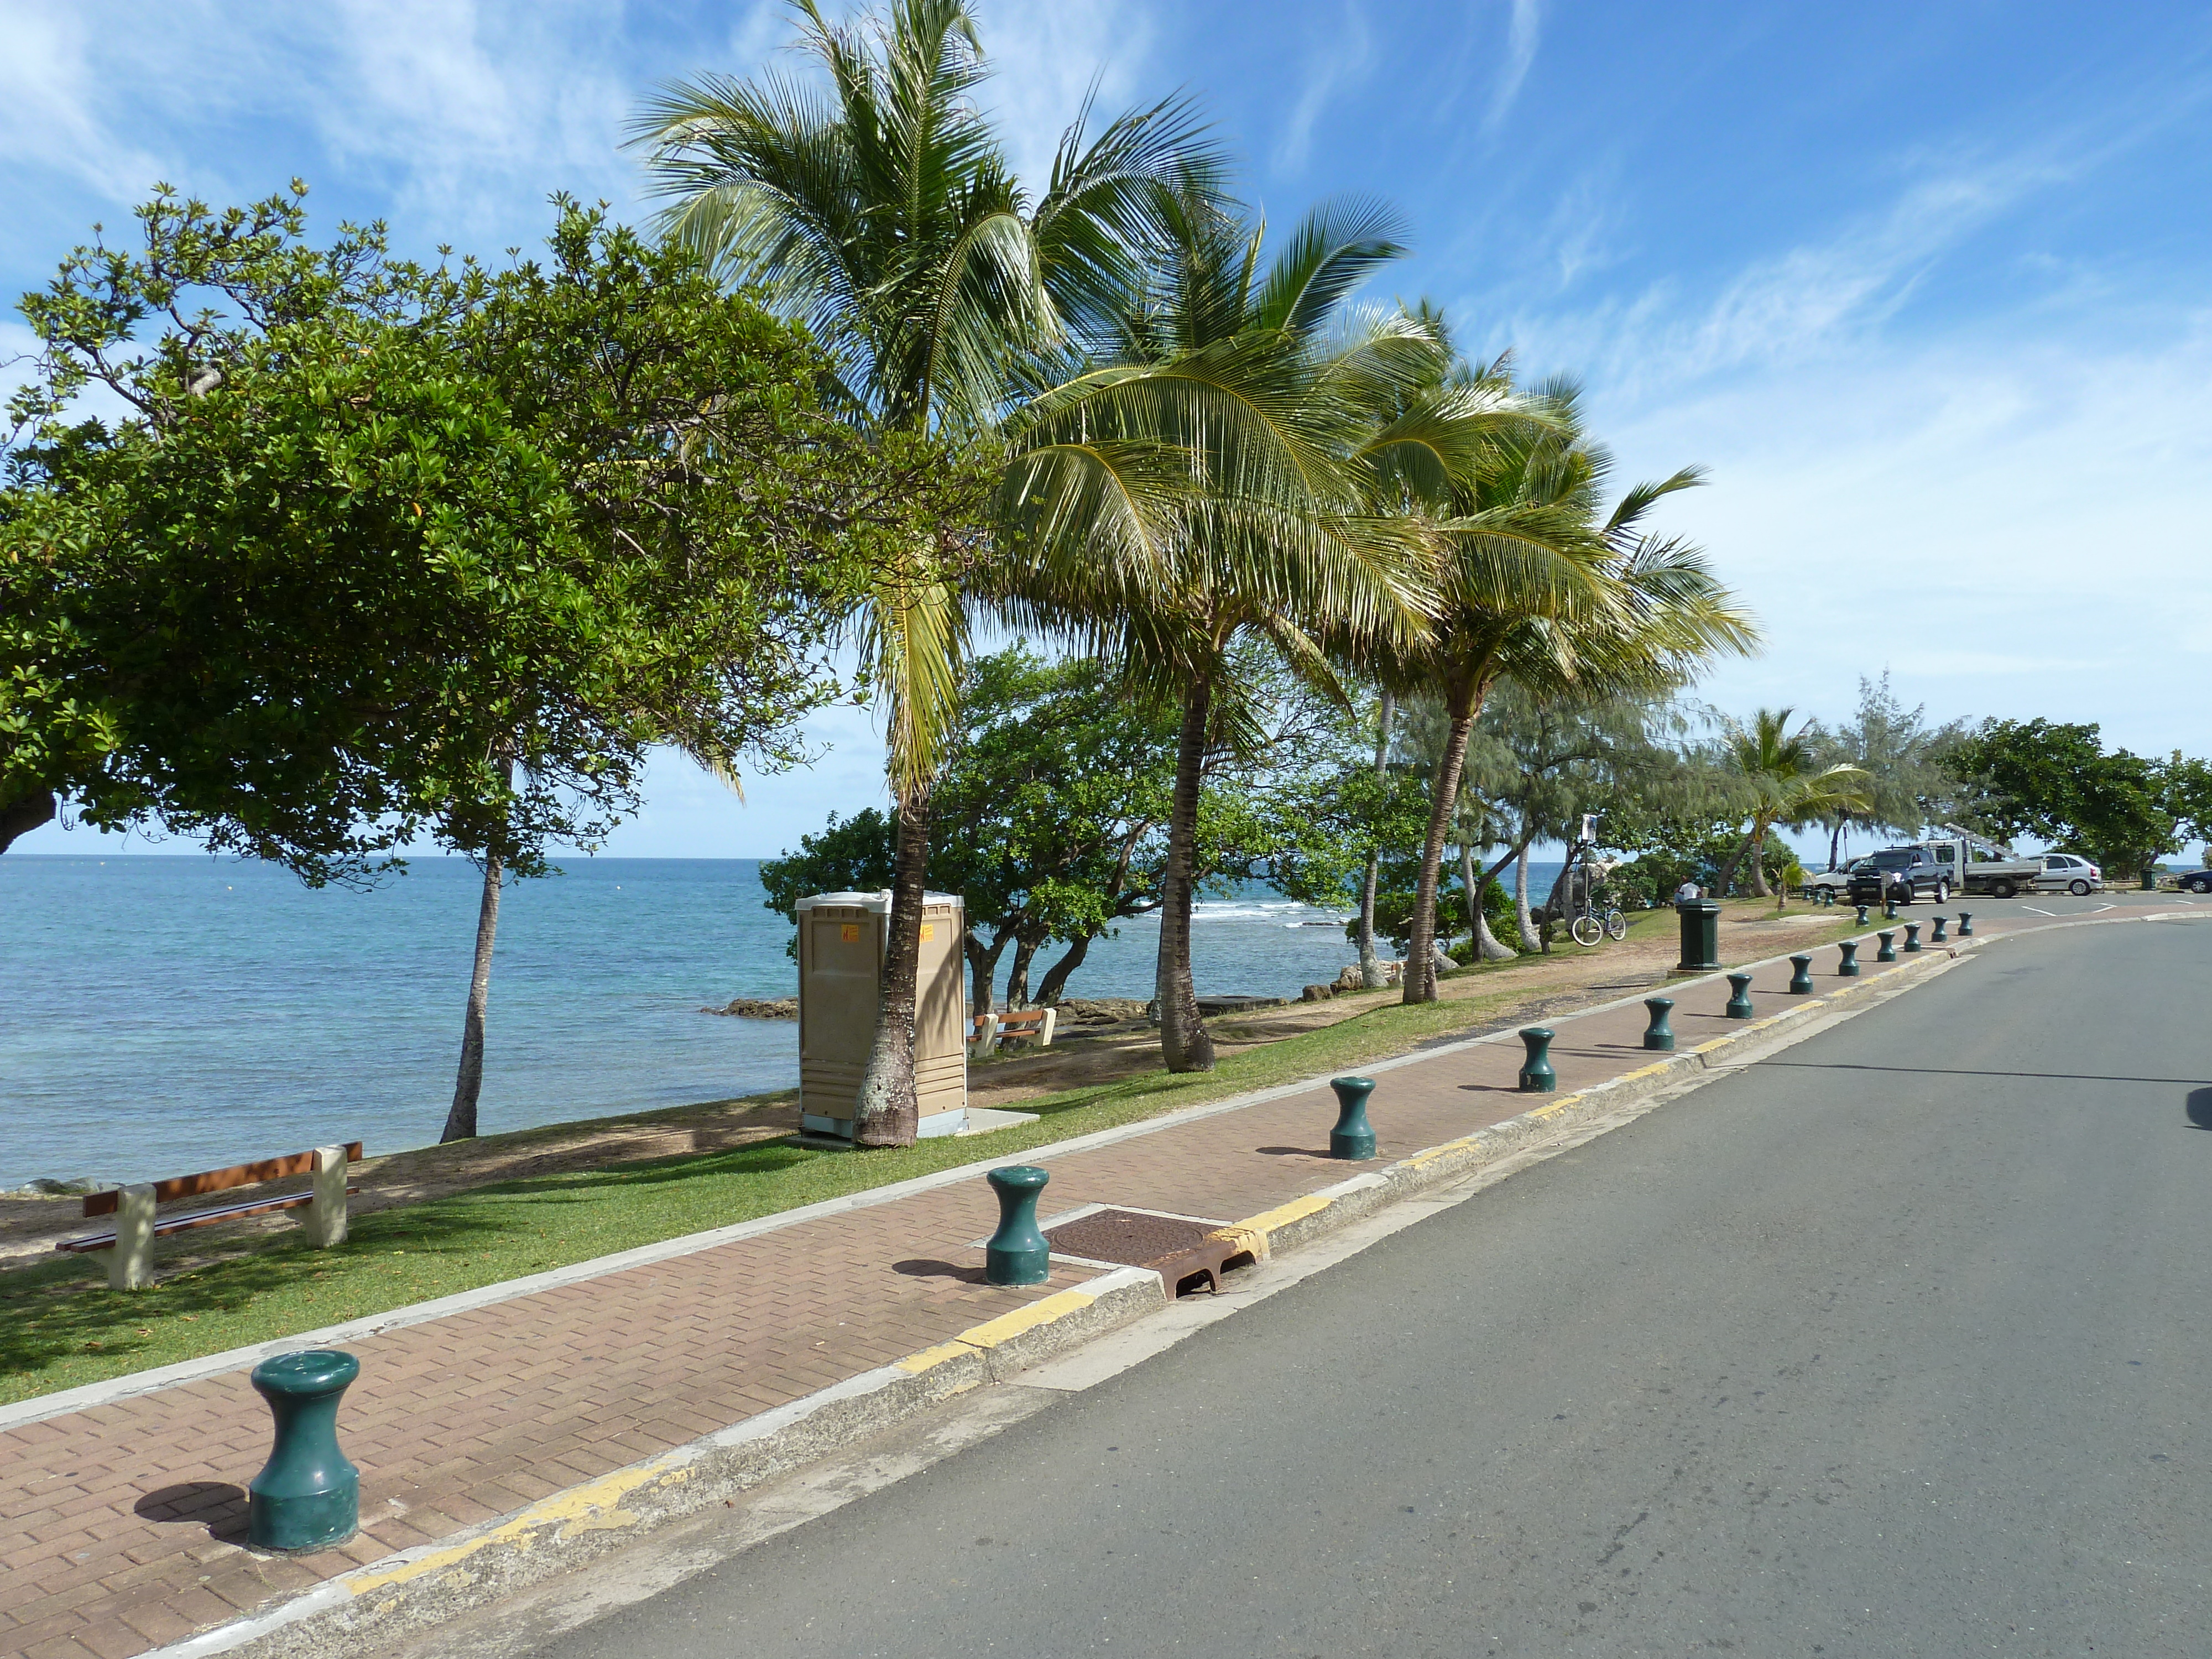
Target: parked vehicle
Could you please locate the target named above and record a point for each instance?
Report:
(1832, 884)
(1978, 866)
(1901, 873)
(2069, 872)
(2196, 881)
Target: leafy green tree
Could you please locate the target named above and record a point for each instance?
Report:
(2059, 783)
(383, 551)
(884, 214)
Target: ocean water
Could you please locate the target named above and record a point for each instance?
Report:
(159, 1015)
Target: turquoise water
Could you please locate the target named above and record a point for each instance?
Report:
(159, 1015)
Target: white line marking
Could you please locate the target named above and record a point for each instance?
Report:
(2034, 911)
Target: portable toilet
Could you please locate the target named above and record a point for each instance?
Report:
(841, 938)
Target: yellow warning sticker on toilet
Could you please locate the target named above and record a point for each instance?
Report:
(850, 932)
(928, 931)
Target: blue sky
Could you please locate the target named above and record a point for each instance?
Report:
(1926, 286)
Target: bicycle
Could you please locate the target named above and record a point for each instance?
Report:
(1587, 924)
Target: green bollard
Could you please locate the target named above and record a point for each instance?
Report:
(1888, 951)
(1353, 1138)
(1848, 967)
(1018, 1253)
(1739, 1002)
(2150, 878)
(1659, 1034)
(1537, 1076)
(1801, 982)
(1936, 937)
(1965, 924)
(1889, 910)
(307, 1496)
(1863, 918)
(1911, 937)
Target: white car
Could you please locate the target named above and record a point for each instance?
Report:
(2068, 873)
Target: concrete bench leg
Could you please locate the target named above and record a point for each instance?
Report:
(986, 1036)
(1044, 1032)
(131, 1262)
(325, 1219)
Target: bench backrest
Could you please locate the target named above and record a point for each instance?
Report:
(216, 1181)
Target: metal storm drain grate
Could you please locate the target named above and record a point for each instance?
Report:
(1175, 1247)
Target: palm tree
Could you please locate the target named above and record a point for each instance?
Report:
(1211, 478)
(884, 214)
(1540, 588)
(1785, 783)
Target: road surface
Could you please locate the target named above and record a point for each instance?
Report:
(1895, 1344)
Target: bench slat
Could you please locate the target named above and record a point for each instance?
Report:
(216, 1181)
(177, 1224)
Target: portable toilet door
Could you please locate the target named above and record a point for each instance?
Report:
(841, 938)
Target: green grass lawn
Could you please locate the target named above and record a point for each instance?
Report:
(49, 1341)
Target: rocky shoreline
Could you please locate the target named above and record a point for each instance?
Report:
(758, 1008)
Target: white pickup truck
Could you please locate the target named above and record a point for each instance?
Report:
(1938, 866)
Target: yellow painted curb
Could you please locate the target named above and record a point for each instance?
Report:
(591, 1507)
(1006, 1326)
(929, 1360)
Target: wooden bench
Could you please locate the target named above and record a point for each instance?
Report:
(986, 1031)
(137, 1225)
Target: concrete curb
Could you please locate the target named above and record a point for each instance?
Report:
(418, 1588)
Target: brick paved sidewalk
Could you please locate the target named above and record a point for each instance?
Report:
(120, 1526)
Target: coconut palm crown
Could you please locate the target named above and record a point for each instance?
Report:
(877, 206)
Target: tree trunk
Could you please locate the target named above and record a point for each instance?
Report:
(1464, 700)
(888, 1112)
(983, 966)
(1523, 917)
(1836, 842)
(1724, 882)
(1055, 977)
(461, 1121)
(1185, 1043)
(1759, 863)
(1018, 977)
(24, 814)
(1371, 965)
(1487, 946)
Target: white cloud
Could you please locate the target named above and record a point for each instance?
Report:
(1339, 58)
(1524, 31)
(1045, 59)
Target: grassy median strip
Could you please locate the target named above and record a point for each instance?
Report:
(397, 1257)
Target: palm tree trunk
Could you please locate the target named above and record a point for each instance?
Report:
(461, 1121)
(1836, 839)
(1370, 966)
(1185, 1043)
(888, 1112)
(1462, 700)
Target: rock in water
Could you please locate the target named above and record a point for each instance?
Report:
(755, 1008)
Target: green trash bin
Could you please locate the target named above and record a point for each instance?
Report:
(1701, 935)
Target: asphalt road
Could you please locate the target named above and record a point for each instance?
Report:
(1895, 1344)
